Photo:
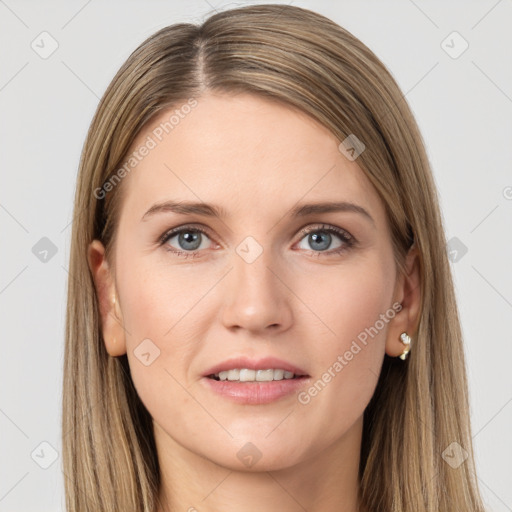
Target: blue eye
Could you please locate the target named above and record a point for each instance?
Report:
(190, 240)
(320, 239)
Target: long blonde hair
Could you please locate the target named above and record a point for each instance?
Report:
(305, 60)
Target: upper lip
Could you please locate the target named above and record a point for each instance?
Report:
(264, 363)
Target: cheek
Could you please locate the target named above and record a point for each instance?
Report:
(349, 299)
(354, 306)
(157, 297)
(161, 312)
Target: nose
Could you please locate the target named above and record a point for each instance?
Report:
(257, 298)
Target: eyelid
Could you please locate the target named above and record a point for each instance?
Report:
(326, 227)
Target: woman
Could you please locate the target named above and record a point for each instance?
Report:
(256, 249)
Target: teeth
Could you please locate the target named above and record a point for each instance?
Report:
(233, 374)
(246, 375)
(264, 375)
(278, 374)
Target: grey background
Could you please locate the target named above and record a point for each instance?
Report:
(463, 106)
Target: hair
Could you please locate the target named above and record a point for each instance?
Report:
(308, 62)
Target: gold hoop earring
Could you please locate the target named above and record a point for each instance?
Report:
(406, 340)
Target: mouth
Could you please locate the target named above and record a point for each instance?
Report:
(247, 375)
(244, 369)
(255, 382)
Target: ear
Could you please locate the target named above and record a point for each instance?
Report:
(408, 294)
(110, 311)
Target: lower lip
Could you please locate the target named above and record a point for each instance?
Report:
(255, 393)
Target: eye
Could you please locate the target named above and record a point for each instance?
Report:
(320, 238)
(188, 240)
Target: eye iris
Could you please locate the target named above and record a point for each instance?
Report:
(189, 237)
(322, 237)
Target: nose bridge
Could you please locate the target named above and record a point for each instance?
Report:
(257, 298)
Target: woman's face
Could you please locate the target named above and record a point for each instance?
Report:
(251, 283)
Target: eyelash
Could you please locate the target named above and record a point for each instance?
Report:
(348, 240)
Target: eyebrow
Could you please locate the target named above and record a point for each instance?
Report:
(210, 210)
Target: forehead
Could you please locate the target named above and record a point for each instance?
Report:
(246, 153)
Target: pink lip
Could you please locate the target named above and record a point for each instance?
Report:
(255, 393)
(254, 364)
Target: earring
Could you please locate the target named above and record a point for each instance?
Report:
(406, 340)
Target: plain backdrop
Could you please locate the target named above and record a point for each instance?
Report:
(56, 60)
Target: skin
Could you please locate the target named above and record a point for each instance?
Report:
(306, 305)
